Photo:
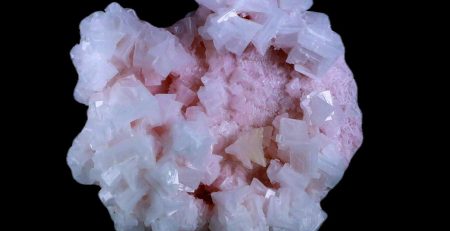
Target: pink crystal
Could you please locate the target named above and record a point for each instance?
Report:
(241, 116)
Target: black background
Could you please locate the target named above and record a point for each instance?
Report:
(370, 196)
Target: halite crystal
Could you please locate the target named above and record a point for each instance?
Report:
(241, 116)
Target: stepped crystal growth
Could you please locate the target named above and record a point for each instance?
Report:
(241, 116)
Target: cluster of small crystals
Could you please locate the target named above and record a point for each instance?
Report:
(241, 116)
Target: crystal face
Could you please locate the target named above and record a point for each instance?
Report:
(241, 116)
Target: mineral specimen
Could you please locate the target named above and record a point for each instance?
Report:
(241, 116)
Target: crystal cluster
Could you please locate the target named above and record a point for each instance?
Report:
(241, 116)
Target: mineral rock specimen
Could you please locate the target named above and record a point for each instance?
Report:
(241, 116)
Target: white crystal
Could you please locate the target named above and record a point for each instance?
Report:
(318, 46)
(110, 36)
(229, 31)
